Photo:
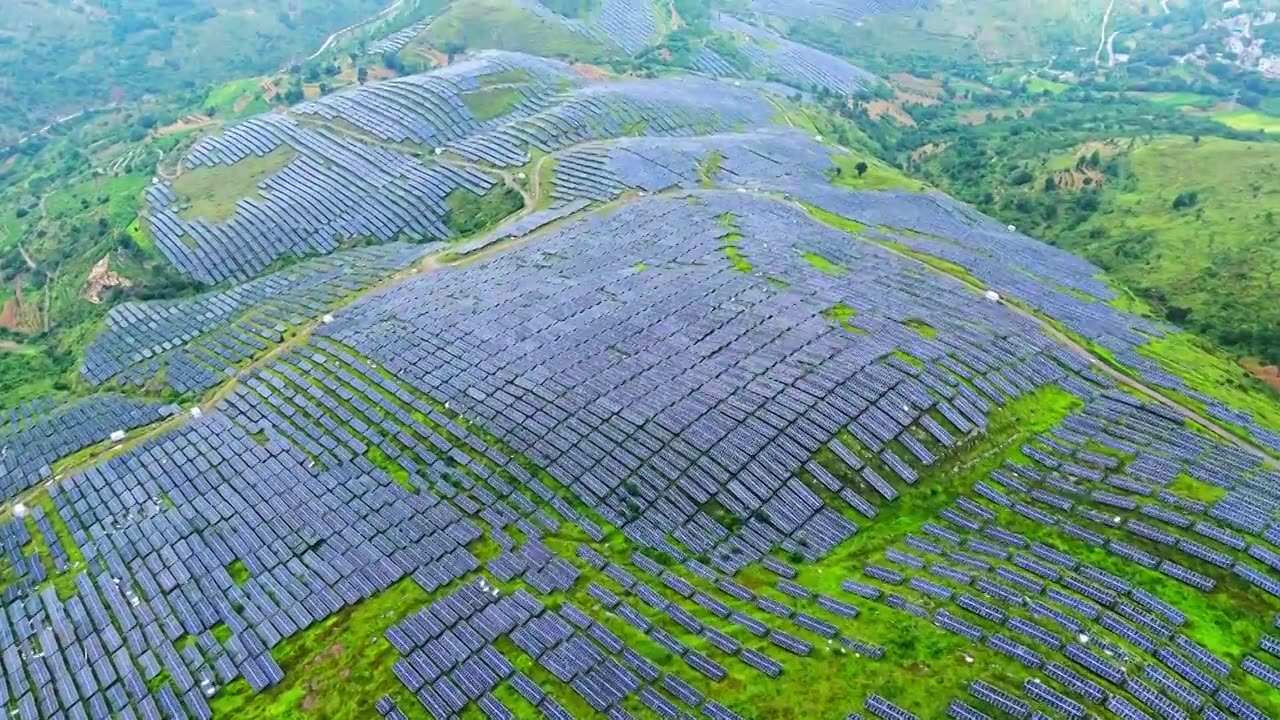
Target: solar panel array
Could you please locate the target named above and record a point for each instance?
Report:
(604, 170)
(336, 188)
(393, 43)
(618, 375)
(677, 106)
(629, 25)
(1056, 284)
(844, 10)
(773, 55)
(356, 173)
(431, 109)
(35, 435)
(195, 341)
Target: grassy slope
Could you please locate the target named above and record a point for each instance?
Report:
(491, 102)
(212, 192)
(1216, 264)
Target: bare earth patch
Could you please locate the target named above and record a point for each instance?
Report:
(17, 315)
(242, 102)
(928, 87)
(928, 150)
(591, 72)
(101, 277)
(979, 116)
(879, 108)
(1269, 374)
(1078, 179)
(312, 698)
(186, 123)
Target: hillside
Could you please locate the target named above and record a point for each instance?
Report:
(61, 58)
(623, 359)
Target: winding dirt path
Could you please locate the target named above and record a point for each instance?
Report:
(333, 38)
(1102, 35)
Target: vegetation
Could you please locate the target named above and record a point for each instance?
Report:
(490, 102)
(211, 193)
(66, 57)
(470, 214)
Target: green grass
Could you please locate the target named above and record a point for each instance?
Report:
(490, 102)
(115, 199)
(850, 226)
(392, 468)
(1038, 85)
(1188, 487)
(709, 168)
(824, 265)
(730, 244)
(235, 99)
(925, 329)
(238, 572)
(470, 214)
(1204, 369)
(513, 76)
(211, 193)
(1179, 99)
(924, 666)
(336, 669)
(877, 176)
(737, 259)
(1247, 120)
(1210, 268)
(842, 315)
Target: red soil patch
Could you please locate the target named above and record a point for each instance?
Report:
(19, 316)
(1269, 374)
(591, 72)
(879, 108)
(909, 98)
(269, 90)
(436, 57)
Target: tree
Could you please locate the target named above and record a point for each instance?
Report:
(1050, 184)
(1186, 199)
(362, 74)
(861, 168)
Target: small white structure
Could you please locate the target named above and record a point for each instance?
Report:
(196, 412)
(1013, 228)
(327, 319)
(19, 510)
(817, 138)
(117, 436)
(992, 296)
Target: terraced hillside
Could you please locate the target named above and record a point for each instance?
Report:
(527, 392)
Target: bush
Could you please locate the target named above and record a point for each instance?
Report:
(1186, 199)
(1021, 176)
